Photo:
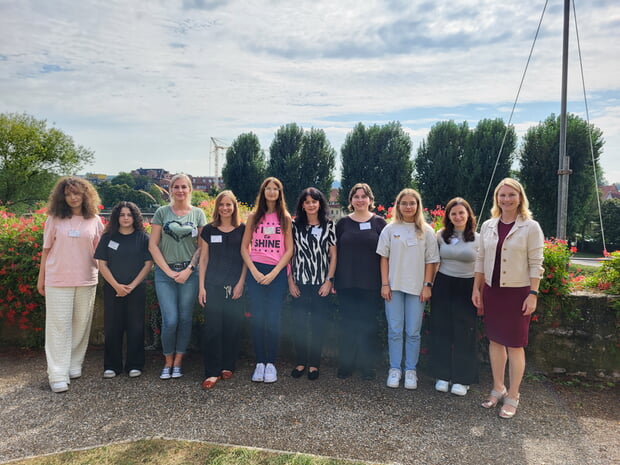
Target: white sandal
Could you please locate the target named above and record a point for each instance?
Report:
(494, 398)
(513, 403)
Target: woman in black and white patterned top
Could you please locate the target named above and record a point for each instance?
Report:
(311, 279)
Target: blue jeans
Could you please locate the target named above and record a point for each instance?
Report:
(176, 303)
(404, 321)
(266, 307)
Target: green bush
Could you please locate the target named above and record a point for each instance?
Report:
(607, 277)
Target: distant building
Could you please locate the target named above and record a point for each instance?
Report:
(609, 192)
(162, 178)
(335, 210)
(96, 179)
(156, 174)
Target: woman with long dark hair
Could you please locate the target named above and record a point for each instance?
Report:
(124, 262)
(311, 280)
(68, 277)
(267, 248)
(453, 322)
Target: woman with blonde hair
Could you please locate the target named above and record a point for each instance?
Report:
(507, 275)
(358, 281)
(222, 276)
(267, 248)
(68, 277)
(173, 244)
(409, 255)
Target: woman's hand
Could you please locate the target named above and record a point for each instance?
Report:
(386, 293)
(268, 278)
(325, 288)
(238, 290)
(476, 298)
(202, 296)
(425, 296)
(529, 305)
(183, 276)
(293, 288)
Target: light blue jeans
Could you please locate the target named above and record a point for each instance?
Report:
(404, 321)
(176, 303)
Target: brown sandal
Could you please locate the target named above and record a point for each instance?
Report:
(494, 398)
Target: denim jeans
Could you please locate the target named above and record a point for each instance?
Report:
(176, 303)
(404, 321)
(266, 307)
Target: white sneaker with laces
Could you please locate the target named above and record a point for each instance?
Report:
(259, 373)
(271, 375)
(134, 373)
(60, 386)
(459, 389)
(411, 379)
(393, 379)
(109, 374)
(442, 385)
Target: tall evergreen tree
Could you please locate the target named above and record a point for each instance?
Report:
(285, 159)
(539, 171)
(317, 162)
(245, 167)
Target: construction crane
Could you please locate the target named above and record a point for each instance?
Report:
(218, 148)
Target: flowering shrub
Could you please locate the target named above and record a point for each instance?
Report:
(556, 279)
(21, 241)
(435, 217)
(607, 277)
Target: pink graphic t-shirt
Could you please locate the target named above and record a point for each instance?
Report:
(268, 241)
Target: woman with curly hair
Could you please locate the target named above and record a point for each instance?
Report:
(124, 262)
(68, 277)
(267, 248)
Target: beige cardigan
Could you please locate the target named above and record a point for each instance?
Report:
(521, 255)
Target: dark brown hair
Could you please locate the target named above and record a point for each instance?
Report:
(448, 227)
(113, 223)
(57, 205)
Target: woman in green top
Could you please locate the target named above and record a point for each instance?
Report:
(174, 247)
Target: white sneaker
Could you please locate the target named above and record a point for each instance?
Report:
(411, 379)
(259, 373)
(134, 373)
(459, 389)
(109, 374)
(75, 374)
(271, 375)
(442, 385)
(59, 387)
(393, 379)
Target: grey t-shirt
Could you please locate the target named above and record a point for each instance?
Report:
(457, 256)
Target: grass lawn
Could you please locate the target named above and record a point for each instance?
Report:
(170, 452)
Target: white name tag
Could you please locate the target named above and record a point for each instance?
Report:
(454, 240)
(316, 232)
(195, 232)
(411, 242)
(74, 233)
(364, 226)
(269, 230)
(113, 245)
(216, 239)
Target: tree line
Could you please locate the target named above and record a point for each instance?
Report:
(453, 160)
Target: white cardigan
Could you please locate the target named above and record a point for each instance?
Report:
(521, 254)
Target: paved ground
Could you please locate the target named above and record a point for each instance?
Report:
(356, 419)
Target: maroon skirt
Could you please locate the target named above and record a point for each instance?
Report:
(504, 322)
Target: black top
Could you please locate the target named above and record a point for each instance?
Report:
(225, 262)
(358, 261)
(125, 254)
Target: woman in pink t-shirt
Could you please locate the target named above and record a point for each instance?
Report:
(267, 248)
(68, 277)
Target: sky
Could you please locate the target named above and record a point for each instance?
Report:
(147, 84)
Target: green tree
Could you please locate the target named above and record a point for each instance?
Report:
(111, 194)
(317, 161)
(285, 160)
(610, 212)
(476, 168)
(438, 162)
(379, 156)
(123, 178)
(539, 165)
(32, 156)
(245, 167)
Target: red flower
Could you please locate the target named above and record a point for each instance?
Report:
(380, 208)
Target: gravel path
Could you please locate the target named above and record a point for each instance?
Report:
(356, 419)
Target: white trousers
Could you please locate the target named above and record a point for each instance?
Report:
(68, 316)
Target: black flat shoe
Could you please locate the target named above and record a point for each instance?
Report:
(297, 373)
(312, 375)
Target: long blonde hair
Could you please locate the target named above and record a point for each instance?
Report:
(418, 217)
(235, 219)
(524, 205)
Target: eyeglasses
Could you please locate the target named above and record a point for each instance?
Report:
(408, 204)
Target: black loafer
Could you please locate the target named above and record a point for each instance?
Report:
(297, 373)
(312, 375)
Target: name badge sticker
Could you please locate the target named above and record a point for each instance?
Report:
(269, 230)
(113, 245)
(454, 240)
(411, 242)
(74, 233)
(195, 232)
(316, 232)
(216, 239)
(364, 226)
